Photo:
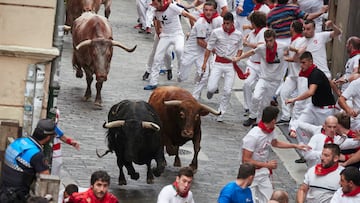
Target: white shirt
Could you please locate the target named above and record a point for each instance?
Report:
(170, 21)
(255, 39)
(168, 194)
(264, 8)
(225, 45)
(321, 188)
(259, 143)
(316, 45)
(201, 29)
(294, 67)
(275, 71)
(353, 92)
(350, 66)
(339, 198)
(317, 142)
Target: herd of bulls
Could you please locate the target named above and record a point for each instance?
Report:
(138, 131)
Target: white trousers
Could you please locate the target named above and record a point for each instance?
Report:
(293, 84)
(313, 115)
(219, 69)
(250, 82)
(190, 58)
(145, 13)
(355, 123)
(263, 92)
(167, 58)
(161, 49)
(56, 165)
(261, 188)
(199, 85)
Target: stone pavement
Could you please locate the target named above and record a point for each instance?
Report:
(220, 154)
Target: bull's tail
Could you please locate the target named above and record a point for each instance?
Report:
(100, 156)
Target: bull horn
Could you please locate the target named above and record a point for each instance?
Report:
(173, 102)
(154, 126)
(100, 156)
(118, 44)
(211, 110)
(114, 124)
(67, 28)
(83, 43)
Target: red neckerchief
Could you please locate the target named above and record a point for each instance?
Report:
(175, 185)
(351, 134)
(271, 53)
(307, 72)
(166, 4)
(271, 6)
(352, 193)
(329, 139)
(321, 171)
(264, 128)
(257, 7)
(212, 17)
(232, 29)
(296, 36)
(257, 30)
(354, 53)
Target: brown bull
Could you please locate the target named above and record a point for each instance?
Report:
(93, 49)
(180, 115)
(74, 9)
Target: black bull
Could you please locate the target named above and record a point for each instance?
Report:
(133, 133)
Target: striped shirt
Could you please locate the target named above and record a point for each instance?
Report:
(280, 18)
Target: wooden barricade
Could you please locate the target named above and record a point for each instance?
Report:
(47, 185)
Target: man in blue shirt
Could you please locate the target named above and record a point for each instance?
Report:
(24, 158)
(238, 191)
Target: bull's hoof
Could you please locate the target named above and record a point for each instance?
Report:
(194, 168)
(157, 172)
(150, 181)
(86, 98)
(79, 73)
(135, 176)
(98, 105)
(122, 182)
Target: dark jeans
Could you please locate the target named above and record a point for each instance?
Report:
(12, 195)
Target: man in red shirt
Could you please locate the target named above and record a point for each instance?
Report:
(98, 191)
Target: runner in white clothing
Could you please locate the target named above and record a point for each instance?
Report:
(146, 14)
(256, 148)
(227, 43)
(352, 92)
(179, 191)
(321, 181)
(329, 135)
(271, 73)
(168, 27)
(196, 44)
(351, 66)
(222, 6)
(293, 83)
(315, 43)
(312, 6)
(350, 186)
(252, 40)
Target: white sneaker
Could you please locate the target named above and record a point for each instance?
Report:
(220, 118)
